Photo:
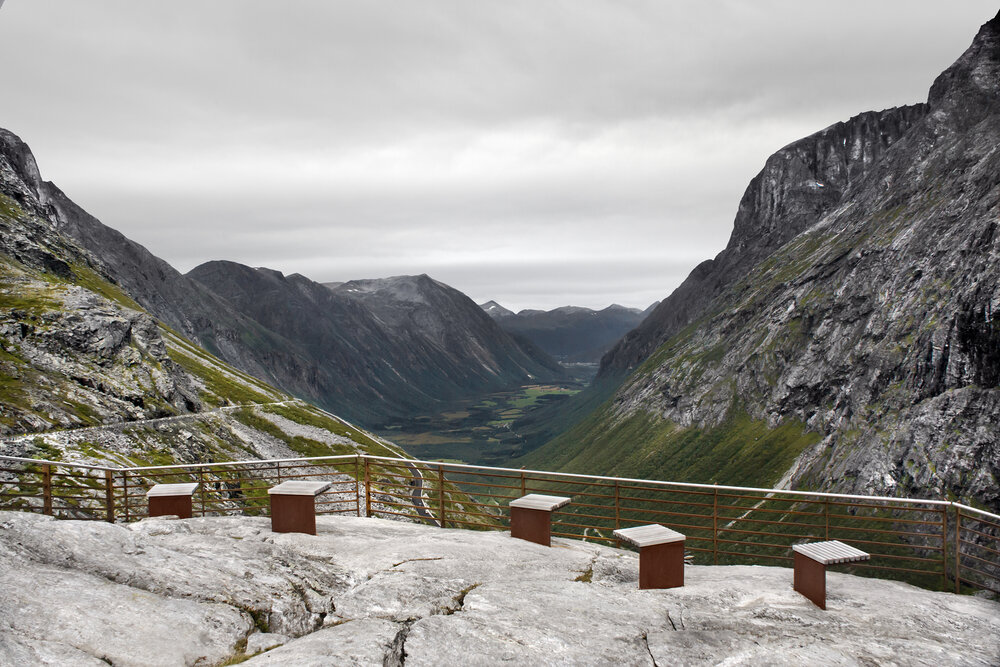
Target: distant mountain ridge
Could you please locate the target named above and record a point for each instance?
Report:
(326, 346)
(571, 334)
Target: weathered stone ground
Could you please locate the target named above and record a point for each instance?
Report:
(370, 591)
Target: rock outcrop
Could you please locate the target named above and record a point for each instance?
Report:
(371, 591)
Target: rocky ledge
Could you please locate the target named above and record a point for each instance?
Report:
(370, 591)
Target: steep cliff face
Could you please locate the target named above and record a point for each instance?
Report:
(797, 186)
(868, 339)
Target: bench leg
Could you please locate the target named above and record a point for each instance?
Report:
(293, 514)
(168, 505)
(661, 565)
(532, 525)
(810, 579)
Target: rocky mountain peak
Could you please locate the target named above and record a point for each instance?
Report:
(495, 310)
(969, 88)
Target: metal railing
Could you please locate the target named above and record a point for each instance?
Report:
(933, 543)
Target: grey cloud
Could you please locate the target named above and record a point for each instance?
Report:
(491, 145)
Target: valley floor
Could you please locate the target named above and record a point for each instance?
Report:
(372, 591)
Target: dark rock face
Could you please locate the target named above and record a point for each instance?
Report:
(570, 334)
(797, 186)
(863, 309)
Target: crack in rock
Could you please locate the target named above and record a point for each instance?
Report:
(645, 641)
(413, 560)
(459, 600)
(395, 655)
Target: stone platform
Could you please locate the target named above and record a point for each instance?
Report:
(368, 591)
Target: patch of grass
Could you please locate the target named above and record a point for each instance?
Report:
(9, 208)
(217, 382)
(311, 416)
(302, 445)
(88, 278)
(740, 451)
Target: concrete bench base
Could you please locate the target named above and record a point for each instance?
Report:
(172, 500)
(661, 554)
(810, 566)
(293, 506)
(531, 517)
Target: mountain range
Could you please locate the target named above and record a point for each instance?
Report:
(570, 334)
(846, 337)
(373, 351)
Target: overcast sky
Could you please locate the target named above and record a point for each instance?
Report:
(540, 153)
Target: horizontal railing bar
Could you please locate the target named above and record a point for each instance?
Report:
(580, 536)
(883, 519)
(661, 501)
(979, 546)
(492, 486)
(816, 494)
(224, 464)
(766, 510)
(883, 531)
(575, 494)
(790, 524)
(474, 523)
(994, 538)
(764, 532)
(62, 464)
(666, 513)
(685, 492)
(980, 573)
(452, 504)
(746, 555)
(977, 511)
(981, 560)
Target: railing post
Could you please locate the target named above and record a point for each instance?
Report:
(201, 489)
(618, 523)
(47, 489)
(443, 516)
(277, 469)
(715, 526)
(944, 547)
(109, 495)
(368, 489)
(357, 484)
(958, 549)
(523, 485)
(125, 494)
(826, 519)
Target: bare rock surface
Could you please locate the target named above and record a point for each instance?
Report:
(370, 591)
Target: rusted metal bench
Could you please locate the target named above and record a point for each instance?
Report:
(810, 566)
(293, 506)
(171, 499)
(531, 517)
(661, 554)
